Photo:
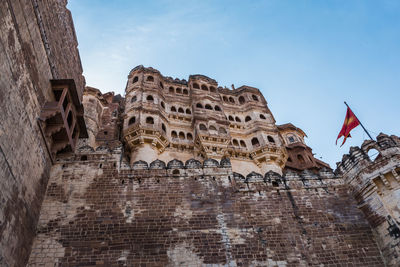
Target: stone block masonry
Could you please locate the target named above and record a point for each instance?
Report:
(100, 211)
(37, 44)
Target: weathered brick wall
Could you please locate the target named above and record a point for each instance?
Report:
(102, 212)
(37, 43)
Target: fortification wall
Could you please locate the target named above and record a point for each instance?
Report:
(375, 184)
(100, 210)
(37, 43)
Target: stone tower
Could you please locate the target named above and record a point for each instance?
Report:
(375, 184)
(168, 118)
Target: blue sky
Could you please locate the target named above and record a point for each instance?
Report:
(306, 57)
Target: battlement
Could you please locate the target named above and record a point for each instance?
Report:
(358, 161)
(193, 169)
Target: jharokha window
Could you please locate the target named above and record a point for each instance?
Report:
(150, 98)
(203, 127)
(149, 120)
(132, 121)
(255, 142)
(61, 121)
(271, 139)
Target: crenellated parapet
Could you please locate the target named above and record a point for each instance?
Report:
(209, 168)
(373, 172)
(358, 168)
(251, 182)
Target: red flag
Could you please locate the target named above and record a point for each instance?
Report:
(350, 122)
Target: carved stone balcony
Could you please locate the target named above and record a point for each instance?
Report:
(269, 154)
(138, 134)
(61, 121)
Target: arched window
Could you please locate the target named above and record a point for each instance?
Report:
(289, 159)
(202, 127)
(242, 143)
(188, 111)
(204, 87)
(150, 98)
(181, 135)
(163, 128)
(212, 89)
(162, 105)
(208, 106)
(171, 90)
(255, 142)
(241, 100)
(150, 78)
(237, 119)
(235, 142)
(222, 130)
(225, 98)
(198, 105)
(232, 100)
(271, 139)
(262, 117)
(149, 120)
(185, 92)
(132, 121)
(196, 86)
(161, 85)
(291, 139)
(231, 118)
(212, 128)
(178, 90)
(180, 110)
(135, 79)
(173, 109)
(189, 136)
(373, 154)
(174, 134)
(134, 98)
(248, 118)
(300, 158)
(217, 108)
(255, 98)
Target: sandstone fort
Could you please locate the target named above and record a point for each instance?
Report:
(177, 172)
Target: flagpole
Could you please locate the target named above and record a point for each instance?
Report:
(360, 123)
